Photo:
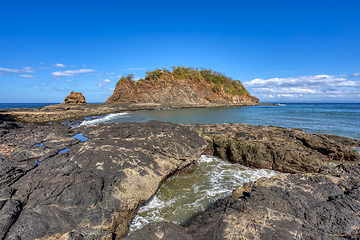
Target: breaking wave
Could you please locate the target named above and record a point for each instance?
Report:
(111, 118)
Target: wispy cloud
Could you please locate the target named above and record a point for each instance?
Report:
(9, 70)
(102, 83)
(133, 69)
(27, 76)
(355, 75)
(317, 87)
(59, 65)
(71, 73)
(27, 69)
(43, 68)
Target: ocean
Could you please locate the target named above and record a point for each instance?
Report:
(24, 105)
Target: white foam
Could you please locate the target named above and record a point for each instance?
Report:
(212, 179)
(106, 119)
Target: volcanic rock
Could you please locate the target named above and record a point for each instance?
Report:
(322, 205)
(75, 98)
(160, 231)
(54, 186)
(281, 149)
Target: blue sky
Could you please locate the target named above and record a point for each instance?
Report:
(282, 51)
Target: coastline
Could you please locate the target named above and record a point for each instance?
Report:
(62, 112)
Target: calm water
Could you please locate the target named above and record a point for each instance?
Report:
(338, 119)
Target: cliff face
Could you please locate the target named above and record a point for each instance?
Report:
(166, 87)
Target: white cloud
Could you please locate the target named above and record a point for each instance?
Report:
(355, 75)
(27, 76)
(316, 87)
(8, 70)
(69, 80)
(27, 69)
(102, 83)
(71, 73)
(43, 68)
(59, 65)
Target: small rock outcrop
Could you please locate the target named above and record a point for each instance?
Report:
(280, 149)
(75, 98)
(322, 205)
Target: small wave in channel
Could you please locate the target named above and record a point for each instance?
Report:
(180, 197)
(107, 119)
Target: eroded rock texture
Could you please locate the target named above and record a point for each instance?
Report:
(281, 149)
(323, 205)
(75, 98)
(91, 189)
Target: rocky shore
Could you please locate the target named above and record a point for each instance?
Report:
(58, 182)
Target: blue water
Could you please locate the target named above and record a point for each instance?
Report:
(338, 119)
(24, 105)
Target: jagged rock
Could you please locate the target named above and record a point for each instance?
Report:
(281, 149)
(75, 98)
(92, 190)
(322, 205)
(160, 231)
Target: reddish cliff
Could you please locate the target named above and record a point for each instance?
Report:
(181, 86)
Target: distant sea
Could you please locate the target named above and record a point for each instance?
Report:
(24, 105)
(327, 118)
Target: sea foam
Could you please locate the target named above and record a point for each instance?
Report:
(180, 197)
(107, 119)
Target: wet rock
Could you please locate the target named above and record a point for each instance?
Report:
(75, 98)
(92, 191)
(160, 231)
(322, 205)
(285, 150)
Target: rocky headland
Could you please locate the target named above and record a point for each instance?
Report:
(180, 88)
(58, 182)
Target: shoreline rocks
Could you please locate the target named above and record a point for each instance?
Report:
(322, 205)
(91, 188)
(276, 148)
(55, 186)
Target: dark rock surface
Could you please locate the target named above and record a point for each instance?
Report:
(322, 205)
(90, 189)
(160, 231)
(281, 149)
